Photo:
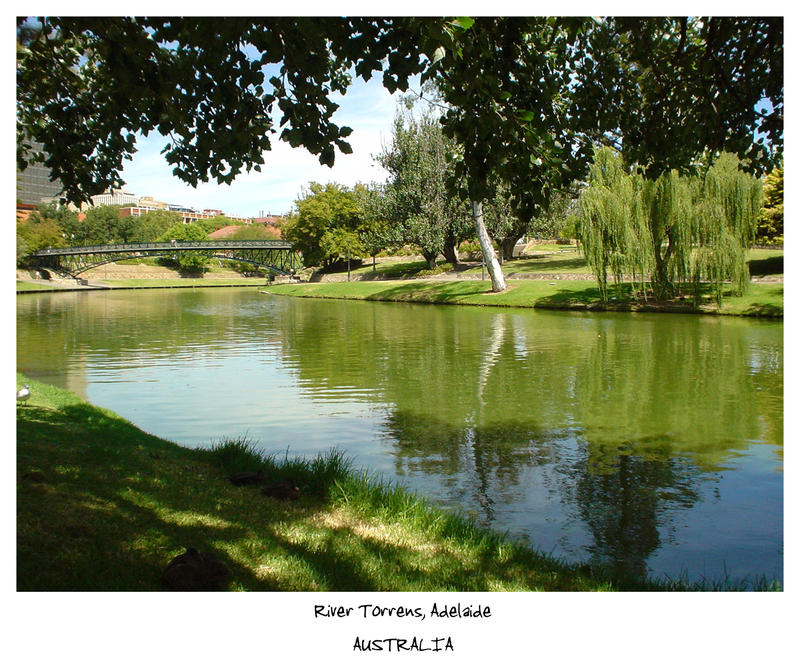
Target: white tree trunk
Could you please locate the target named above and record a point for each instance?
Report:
(489, 256)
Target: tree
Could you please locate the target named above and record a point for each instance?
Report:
(37, 233)
(210, 225)
(189, 261)
(614, 230)
(674, 87)
(100, 226)
(502, 224)
(148, 227)
(679, 229)
(87, 86)
(65, 218)
(375, 231)
(254, 232)
(419, 202)
(529, 96)
(325, 219)
(770, 220)
(558, 220)
(526, 96)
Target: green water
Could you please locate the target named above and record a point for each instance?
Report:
(650, 442)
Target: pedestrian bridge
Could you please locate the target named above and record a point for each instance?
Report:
(277, 256)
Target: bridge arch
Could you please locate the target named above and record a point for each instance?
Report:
(276, 256)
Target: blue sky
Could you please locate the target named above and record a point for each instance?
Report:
(367, 108)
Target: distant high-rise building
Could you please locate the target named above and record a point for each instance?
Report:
(34, 185)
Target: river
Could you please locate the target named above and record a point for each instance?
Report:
(652, 442)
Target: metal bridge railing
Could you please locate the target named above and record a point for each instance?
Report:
(165, 246)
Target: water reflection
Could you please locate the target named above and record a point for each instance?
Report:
(601, 437)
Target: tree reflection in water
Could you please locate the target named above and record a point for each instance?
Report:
(625, 501)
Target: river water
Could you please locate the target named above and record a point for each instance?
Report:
(652, 442)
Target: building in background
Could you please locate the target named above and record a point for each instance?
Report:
(187, 215)
(111, 197)
(34, 185)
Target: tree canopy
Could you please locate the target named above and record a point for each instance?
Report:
(527, 98)
(219, 88)
(770, 220)
(676, 229)
(325, 223)
(87, 85)
(418, 202)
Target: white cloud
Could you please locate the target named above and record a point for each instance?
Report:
(367, 108)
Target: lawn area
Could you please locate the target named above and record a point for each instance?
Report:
(149, 283)
(557, 259)
(23, 285)
(182, 282)
(103, 506)
(760, 300)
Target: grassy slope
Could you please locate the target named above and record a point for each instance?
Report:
(32, 286)
(152, 283)
(102, 505)
(760, 300)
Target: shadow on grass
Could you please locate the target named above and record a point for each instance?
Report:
(764, 309)
(442, 292)
(768, 266)
(547, 264)
(112, 505)
(102, 506)
(563, 297)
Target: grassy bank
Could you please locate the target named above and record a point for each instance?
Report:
(760, 299)
(101, 505)
(24, 286)
(538, 261)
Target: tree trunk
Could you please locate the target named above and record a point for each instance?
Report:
(430, 259)
(507, 246)
(450, 253)
(489, 256)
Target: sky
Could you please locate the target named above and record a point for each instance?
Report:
(367, 108)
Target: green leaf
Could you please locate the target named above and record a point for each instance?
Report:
(463, 22)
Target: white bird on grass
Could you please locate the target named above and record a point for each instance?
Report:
(24, 394)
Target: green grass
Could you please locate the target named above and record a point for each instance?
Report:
(761, 299)
(539, 260)
(183, 281)
(103, 506)
(409, 267)
(155, 283)
(32, 286)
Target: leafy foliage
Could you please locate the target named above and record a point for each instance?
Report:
(526, 98)
(668, 88)
(254, 232)
(100, 226)
(88, 86)
(614, 229)
(36, 233)
(189, 262)
(325, 223)
(419, 203)
(676, 229)
(375, 230)
(770, 220)
(148, 227)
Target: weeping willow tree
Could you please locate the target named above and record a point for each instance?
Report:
(613, 226)
(681, 231)
(724, 226)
